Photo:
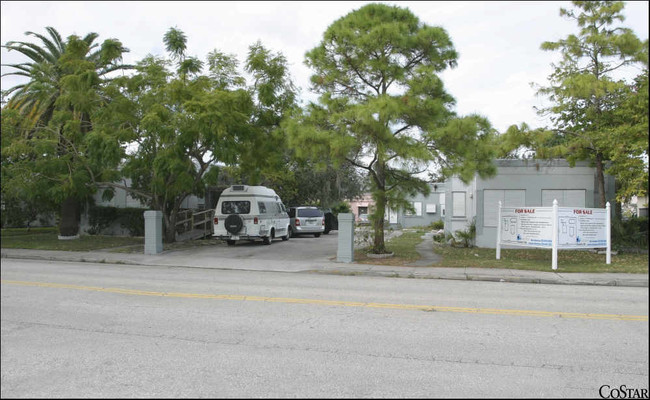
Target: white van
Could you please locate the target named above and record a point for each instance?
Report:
(248, 213)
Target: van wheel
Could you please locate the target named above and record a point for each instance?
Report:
(288, 235)
(267, 240)
(316, 234)
(230, 242)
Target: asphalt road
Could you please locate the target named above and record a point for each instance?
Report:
(101, 330)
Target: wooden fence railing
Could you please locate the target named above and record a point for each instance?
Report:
(189, 220)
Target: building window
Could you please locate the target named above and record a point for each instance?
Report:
(363, 210)
(417, 205)
(458, 203)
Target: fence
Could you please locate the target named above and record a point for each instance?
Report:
(189, 220)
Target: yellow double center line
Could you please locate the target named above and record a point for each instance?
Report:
(529, 313)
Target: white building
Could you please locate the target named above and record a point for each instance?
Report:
(527, 183)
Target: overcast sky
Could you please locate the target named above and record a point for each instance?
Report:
(498, 42)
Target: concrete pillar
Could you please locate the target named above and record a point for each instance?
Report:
(345, 251)
(153, 232)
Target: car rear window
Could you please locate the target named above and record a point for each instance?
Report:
(309, 212)
(236, 207)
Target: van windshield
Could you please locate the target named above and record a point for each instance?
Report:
(236, 207)
(309, 212)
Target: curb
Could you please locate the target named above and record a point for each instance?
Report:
(357, 272)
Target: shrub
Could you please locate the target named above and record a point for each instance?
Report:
(133, 220)
(341, 207)
(439, 238)
(632, 232)
(468, 235)
(437, 225)
(20, 214)
(100, 218)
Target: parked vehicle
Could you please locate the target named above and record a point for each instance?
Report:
(249, 213)
(331, 221)
(306, 220)
(363, 219)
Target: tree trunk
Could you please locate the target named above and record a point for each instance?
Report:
(379, 196)
(169, 226)
(379, 246)
(70, 215)
(601, 180)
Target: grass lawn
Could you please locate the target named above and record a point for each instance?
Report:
(47, 239)
(540, 260)
(403, 246)
(189, 244)
(526, 259)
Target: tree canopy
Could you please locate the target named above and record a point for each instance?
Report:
(384, 109)
(596, 116)
(383, 116)
(49, 153)
(182, 125)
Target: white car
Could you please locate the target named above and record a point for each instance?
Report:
(249, 213)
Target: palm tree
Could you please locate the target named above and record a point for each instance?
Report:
(49, 66)
(36, 98)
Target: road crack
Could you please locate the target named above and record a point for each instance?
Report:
(311, 348)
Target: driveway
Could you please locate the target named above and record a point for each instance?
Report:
(299, 248)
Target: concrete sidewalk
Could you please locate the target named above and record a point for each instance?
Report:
(194, 259)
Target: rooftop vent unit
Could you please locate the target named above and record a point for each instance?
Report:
(240, 188)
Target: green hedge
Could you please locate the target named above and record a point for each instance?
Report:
(632, 232)
(100, 218)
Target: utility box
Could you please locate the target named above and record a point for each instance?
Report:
(345, 251)
(153, 232)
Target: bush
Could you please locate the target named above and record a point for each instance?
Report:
(341, 207)
(20, 214)
(450, 239)
(466, 237)
(632, 232)
(133, 220)
(100, 218)
(439, 238)
(437, 225)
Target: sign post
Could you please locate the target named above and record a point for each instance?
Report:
(555, 235)
(608, 257)
(499, 233)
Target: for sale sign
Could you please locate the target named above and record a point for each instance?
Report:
(582, 228)
(530, 226)
(555, 228)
